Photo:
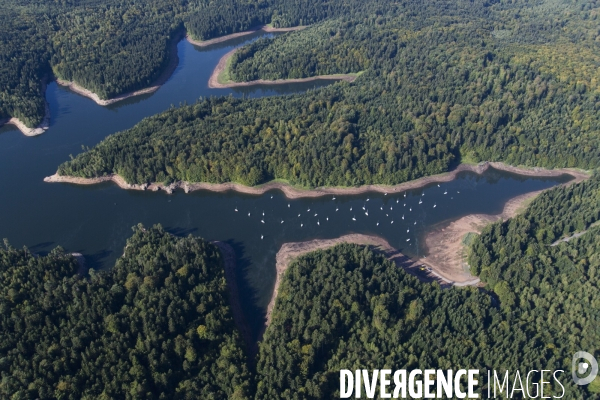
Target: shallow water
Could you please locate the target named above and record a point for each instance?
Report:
(97, 220)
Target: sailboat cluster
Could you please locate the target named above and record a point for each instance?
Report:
(304, 217)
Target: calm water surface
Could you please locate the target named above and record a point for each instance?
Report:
(97, 220)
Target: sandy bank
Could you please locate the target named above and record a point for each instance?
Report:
(25, 130)
(213, 81)
(446, 251)
(292, 192)
(221, 39)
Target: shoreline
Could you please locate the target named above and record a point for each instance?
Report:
(156, 84)
(213, 81)
(221, 39)
(292, 192)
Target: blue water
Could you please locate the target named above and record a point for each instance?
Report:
(97, 220)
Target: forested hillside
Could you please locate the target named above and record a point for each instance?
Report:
(535, 280)
(347, 308)
(443, 83)
(156, 326)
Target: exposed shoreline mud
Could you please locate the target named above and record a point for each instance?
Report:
(444, 242)
(292, 192)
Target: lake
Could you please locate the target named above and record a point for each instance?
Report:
(97, 220)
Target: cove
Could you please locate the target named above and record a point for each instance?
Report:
(96, 220)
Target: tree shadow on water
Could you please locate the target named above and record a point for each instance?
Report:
(254, 315)
(181, 232)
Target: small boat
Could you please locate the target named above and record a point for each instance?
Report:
(446, 192)
(248, 214)
(392, 221)
(408, 230)
(236, 209)
(367, 213)
(435, 205)
(318, 223)
(261, 237)
(301, 225)
(402, 216)
(262, 220)
(408, 240)
(316, 214)
(333, 198)
(336, 209)
(353, 219)
(282, 221)
(377, 223)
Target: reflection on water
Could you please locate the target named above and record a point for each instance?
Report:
(97, 220)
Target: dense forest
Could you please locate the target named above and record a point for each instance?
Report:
(443, 83)
(156, 326)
